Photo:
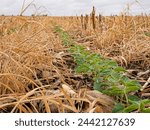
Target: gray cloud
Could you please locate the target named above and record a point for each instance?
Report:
(73, 7)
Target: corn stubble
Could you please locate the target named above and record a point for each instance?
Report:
(37, 73)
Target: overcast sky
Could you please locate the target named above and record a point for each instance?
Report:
(74, 7)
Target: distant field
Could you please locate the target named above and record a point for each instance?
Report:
(37, 72)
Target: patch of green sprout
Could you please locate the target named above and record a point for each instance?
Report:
(108, 77)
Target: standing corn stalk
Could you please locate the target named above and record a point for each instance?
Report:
(100, 22)
(86, 22)
(146, 21)
(93, 18)
(82, 21)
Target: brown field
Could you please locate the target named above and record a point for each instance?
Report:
(37, 73)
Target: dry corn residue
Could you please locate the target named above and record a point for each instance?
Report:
(49, 64)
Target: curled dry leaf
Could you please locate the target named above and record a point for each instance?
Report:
(92, 101)
(101, 102)
(59, 55)
(97, 109)
(69, 91)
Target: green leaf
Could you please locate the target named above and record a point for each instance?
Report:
(58, 29)
(146, 110)
(113, 91)
(82, 69)
(118, 108)
(111, 63)
(96, 86)
(147, 34)
(143, 103)
(116, 76)
(119, 69)
(131, 83)
(133, 98)
(131, 108)
(131, 88)
(104, 71)
(113, 80)
(146, 101)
